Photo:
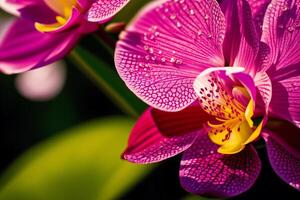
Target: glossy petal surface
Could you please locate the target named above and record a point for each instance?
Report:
(165, 48)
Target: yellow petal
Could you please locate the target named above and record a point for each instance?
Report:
(61, 20)
(219, 131)
(230, 149)
(236, 142)
(249, 112)
(255, 133)
(218, 138)
(47, 27)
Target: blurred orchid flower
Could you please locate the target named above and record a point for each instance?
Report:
(42, 84)
(46, 30)
(216, 72)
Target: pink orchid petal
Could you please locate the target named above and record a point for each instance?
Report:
(159, 135)
(23, 48)
(285, 164)
(247, 81)
(258, 9)
(179, 123)
(286, 94)
(232, 37)
(241, 41)
(10, 8)
(85, 4)
(286, 134)
(103, 10)
(249, 44)
(281, 32)
(166, 47)
(203, 171)
(264, 88)
(13, 6)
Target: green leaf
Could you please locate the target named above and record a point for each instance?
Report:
(108, 80)
(130, 10)
(80, 164)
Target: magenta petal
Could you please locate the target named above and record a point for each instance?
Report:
(286, 94)
(153, 140)
(264, 88)
(188, 120)
(233, 36)
(10, 7)
(13, 6)
(285, 134)
(101, 11)
(241, 41)
(249, 44)
(258, 9)
(38, 12)
(23, 48)
(166, 47)
(281, 32)
(285, 164)
(203, 171)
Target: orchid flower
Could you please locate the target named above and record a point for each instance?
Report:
(215, 74)
(46, 30)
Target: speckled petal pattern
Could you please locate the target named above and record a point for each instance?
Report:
(284, 163)
(167, 45)
(203, 171)
(103, 10)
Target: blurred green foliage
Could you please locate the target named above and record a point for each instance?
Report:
(130, 10)
(82, 163)
(107, 79)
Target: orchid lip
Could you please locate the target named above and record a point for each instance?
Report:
(66, 10)
(231, 104)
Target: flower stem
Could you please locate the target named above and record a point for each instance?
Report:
(106, 79)
(106, 40)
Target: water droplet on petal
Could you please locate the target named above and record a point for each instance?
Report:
(178, 61)
(291, 28)
(173, 16)
(285, 8)
(151, 50)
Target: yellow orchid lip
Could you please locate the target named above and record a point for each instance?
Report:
(64, 10)
(236, 128)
